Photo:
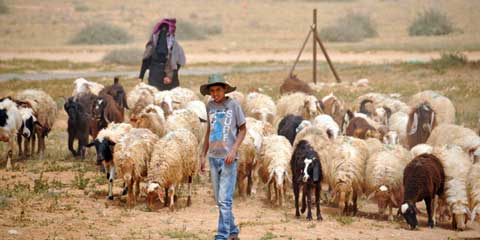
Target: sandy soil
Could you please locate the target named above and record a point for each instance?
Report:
(78, 215)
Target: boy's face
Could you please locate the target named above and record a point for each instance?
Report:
(217, 92)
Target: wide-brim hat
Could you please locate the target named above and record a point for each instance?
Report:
(216, 79)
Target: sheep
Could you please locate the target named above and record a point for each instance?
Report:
(117, 92)
(299, 104)
(153, 118)
(247, 162)
(374, 146)
(27, 130)
(423, 179)
(307, 174)
(184, 118)
(81, 85)
(326, 122)
(440, 104)
(421, 122)
(79, 117)
(260, 107)
(174, 99)
(384, 176)
(10, 124)
(335, 108)
(391, 137)
(106, 110)
(131, 158)
(398, 123)
(273, 160)
(288, 126)
(183, 96)
(137, 99)
(466, 138)
(473, 180)
(264, 128)
(346, 172)
(46, 112)
(174, 159)
(383, 100)
(199, 108)
(421, 149)
(104, 145)
(359, 127)
(456, 164)
(292, 84)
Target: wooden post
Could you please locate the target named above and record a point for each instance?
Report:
(300, 53)
(316, 37)
(314, 29)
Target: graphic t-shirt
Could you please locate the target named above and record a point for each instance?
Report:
(225, 118)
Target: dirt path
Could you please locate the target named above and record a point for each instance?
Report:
(377, 57)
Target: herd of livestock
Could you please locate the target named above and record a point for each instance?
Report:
(393, 152)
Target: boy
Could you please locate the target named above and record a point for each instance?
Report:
(226, 131)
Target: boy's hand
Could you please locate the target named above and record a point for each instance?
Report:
(231, 156)
(202, 166)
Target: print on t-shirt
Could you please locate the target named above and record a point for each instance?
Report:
(220, 120)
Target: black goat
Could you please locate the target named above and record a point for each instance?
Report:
(306, 174)
(288, 127)
(79, 117)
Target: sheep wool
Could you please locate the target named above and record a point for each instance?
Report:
(443, 134)
(45, 107)
(260, 106)
(473, 180)
(114, 131)
(184, 118)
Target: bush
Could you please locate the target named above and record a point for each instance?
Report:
(3, 7)
(101, 33)
(431, 22)
(451, 59)
(80, 6)
(190, 31)
(352, 28)
(128, 56)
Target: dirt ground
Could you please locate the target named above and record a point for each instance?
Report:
(70, 213)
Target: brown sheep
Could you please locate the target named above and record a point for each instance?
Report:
(359, 127)
(423, 178)
(293, 84)
(421, 122)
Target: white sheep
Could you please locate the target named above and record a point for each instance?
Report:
(398, 123)
(391, 137)
(260, 106)
(82, 85)
(153, 118)
(141, 96)
(466, 138)
(264, 128)
(114, 131)
(199, 108)
(174, 160)
(10, 124)
(346, 172)
(184, 118)
(384, 177)
(443, 107)
(45, 109)
(299, 104)
(420, 149)
(247, 163)
(174, 99)
(131, 157)
(380, 100)
(456, 164)
(374, 145)
(326, 122)
(474, 189)
(273, 165)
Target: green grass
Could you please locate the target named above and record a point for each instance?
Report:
(187, 30)
(344, 220)
(181, 234)
(3, 7)
(431, 22)
(101, 33)
(268, 236)
(23, 66)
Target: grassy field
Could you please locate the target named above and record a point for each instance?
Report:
(244, 26)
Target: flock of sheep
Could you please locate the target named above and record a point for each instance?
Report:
(392, 152)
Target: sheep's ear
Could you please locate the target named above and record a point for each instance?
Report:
(110, 143)
(330, 134)
(90, 144)
(316, 172)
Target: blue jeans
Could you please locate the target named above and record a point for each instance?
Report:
(224, 177)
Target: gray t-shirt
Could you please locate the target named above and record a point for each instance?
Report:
(225, 118)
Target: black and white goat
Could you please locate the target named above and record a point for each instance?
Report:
(307, 175)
